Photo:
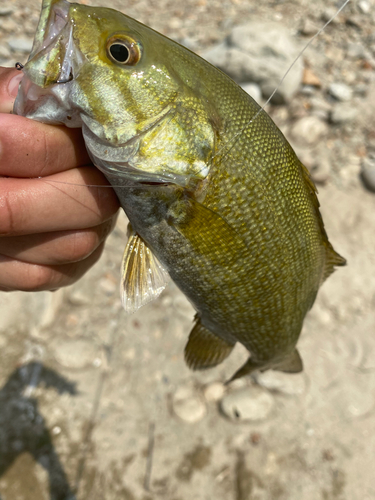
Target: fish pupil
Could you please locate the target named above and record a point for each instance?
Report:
(119, 52)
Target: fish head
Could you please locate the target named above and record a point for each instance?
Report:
(96, 68)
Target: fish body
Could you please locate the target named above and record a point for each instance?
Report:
(215, 195)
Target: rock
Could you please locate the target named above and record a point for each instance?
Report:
(328, 14)
(320, 108)
(75, 354)
(286, 383)
(343, 113)
(309, 27)
(356, 51)
(368, 173)
(364, 6)
(188, 405)
(308, 130)
(20, 44)
(4, 52)
(309, 78)
(249, 403)
(321, 171)
(340, 91)
(6, 11)
(253, 90)
(260, 53)
(214, 391)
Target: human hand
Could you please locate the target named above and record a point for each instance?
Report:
(50, 233)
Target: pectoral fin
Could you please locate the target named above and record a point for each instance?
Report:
(204, 349)
(143, 277)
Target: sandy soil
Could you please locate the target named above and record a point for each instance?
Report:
(95, 404)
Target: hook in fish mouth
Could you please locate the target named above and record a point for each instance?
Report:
(18, 66)
(69, 79)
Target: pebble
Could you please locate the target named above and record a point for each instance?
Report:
(188, 405)
(253, 90)
(310, 78)
(75, 354)
(328, 14)
(356, 51)
(4, 52)
(6, 11)
(364, 6)
(20, 44)
(320, 172)
(309, 27)
(343, 113)
(214, 391)
(249, 403)
(340, 91)
(368, 174)
(289, 384)
(309, 130)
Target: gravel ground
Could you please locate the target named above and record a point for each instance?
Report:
(95, 404)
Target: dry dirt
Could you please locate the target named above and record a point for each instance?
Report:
(90, 397)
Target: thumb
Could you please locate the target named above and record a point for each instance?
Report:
(9, 82)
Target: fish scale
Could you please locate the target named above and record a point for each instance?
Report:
(215, 195)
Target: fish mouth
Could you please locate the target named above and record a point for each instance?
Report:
(51, 69)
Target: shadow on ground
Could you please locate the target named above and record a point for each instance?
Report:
(23, 429)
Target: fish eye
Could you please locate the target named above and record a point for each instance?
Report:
(123, 51)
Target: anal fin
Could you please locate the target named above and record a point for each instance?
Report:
(204, 349)
(143, 278)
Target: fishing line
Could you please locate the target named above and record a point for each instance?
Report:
(262, 109)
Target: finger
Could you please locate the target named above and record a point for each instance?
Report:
(57, 248)
(29, 206)
(9, 81)
(17, 275)
(32, 149)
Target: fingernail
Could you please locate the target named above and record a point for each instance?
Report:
(14, 84)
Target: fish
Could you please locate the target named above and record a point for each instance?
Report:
(216, 198)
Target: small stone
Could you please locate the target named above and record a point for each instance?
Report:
(340, 91)
(364, 6)
(4, 52)
(108, 285)
(250, 403)
(309, 130)
(310, 78)
(79, 298)
(368, 174)
(321, 171)
(6, 11)
(356, 51)
(286, 383)
(309, 27)
(343, 113)
(328, 14)
(253, 90)
(75, 354)
(214, 391)
(188, 405)
(20, 44)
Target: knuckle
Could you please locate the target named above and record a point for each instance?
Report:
(81, 245)
(39, 278)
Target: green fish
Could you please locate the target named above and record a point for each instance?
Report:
(216, 197)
